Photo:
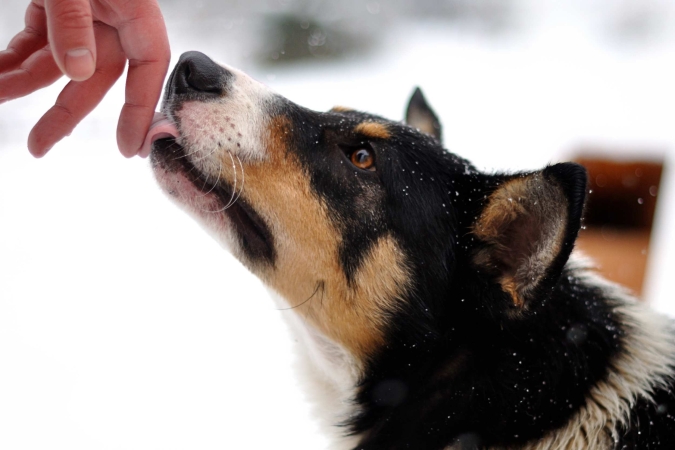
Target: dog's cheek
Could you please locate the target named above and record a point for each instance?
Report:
(309, 273)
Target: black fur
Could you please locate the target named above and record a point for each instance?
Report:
(463, 363)
(652, 423)
(458, 368)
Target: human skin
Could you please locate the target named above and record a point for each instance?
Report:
(90, 41)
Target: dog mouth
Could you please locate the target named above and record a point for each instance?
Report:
(162, 127)
(169, 156)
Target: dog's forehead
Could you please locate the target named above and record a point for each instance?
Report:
(348, 126)
(345, 117)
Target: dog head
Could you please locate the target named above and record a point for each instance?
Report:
(367, 227)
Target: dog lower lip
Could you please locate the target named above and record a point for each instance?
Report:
(255, 236)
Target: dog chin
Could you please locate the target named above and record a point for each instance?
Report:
(184, 188)
(217, 206)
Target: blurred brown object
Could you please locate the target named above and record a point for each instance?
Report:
(619, 216)
(623, 193)
(620, 254)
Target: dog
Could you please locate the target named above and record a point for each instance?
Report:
(436, 306)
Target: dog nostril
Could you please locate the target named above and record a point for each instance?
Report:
(203, 79)
(197, 72)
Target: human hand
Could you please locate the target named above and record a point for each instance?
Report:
(90, 42)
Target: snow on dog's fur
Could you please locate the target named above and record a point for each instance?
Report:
(437, 307)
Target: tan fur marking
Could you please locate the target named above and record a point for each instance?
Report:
(373, 130)
(340, 109)
(510, 286)
(307, 245)
(518, 212)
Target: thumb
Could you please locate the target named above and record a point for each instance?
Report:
(71, 36)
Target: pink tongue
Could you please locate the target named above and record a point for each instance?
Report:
(161, 128)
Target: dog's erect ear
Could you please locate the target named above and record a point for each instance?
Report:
(527, 230)
(420, 115)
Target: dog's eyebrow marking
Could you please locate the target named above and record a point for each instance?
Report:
(339, 109)
(373, 130)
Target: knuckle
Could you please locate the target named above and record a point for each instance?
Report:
(11, 49)
(136, 106)
(26, 73)
(62, 110)
(71, 16)
(135, 63)
(32, 31)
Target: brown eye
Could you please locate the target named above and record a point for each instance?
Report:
(363, 159)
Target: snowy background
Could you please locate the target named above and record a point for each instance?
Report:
(124, 326)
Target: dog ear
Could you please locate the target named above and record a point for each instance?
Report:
(420, 115)
(527, 230)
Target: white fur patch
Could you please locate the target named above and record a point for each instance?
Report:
(236, 123)
(329, 375)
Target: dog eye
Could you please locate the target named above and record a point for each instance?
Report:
(363, 159)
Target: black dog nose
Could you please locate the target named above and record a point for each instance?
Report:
(196, 72)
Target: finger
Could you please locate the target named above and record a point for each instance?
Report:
(145, 42)
(31, 39)
(36, 72)
(71, 34)
(79, 98)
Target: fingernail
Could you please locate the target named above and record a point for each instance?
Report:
(79, 64)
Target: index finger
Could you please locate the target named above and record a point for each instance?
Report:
(144, 40)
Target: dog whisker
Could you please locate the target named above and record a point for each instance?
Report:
(234, 184)
(242, 179)
(234, 188)
(213, 185)
(235, 194)
(320, 285)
